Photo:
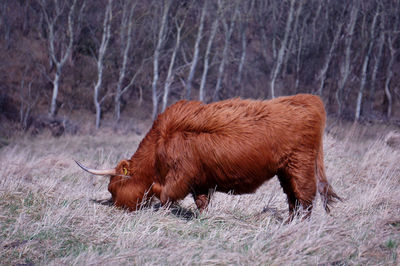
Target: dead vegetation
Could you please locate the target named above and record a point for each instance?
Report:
(47, 213)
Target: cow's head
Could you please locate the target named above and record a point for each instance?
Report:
(128, 189)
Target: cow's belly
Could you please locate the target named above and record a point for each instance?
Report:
(241, 185)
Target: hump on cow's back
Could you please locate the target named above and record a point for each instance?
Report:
(301, 100)
(177, 115)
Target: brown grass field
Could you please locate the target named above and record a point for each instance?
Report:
(48, 216)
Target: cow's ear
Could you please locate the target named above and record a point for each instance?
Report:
(124, 167)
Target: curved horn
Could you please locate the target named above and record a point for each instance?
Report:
(97, 172)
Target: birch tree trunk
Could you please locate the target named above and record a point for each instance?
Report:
(214, 28)
(196, 51)
(392, 38)
(292, 38)
(264, 44)
(100, 60)
(228, 35)
(275, 17)
(299, 51)
(282, 50)
(28, 102)
(345, 67)
(378, 58)
(389, 75)
(316, 18)
(243, 31)
(126, 37)
(60, 60)
(328, 59)
(157, 50)
(169, 78)
(243, 18)
(267, 10)
(364, 68)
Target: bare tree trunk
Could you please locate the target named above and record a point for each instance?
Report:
(345, 67)
(299, 50)
(378, 58)
(328, 59)
(214, 28)
(282, 50)
(389, 75)
(228, 35)
(274, 37)
(364, 68)
(292, 39)
(316, 18)
(126, 37)
(264, 44)
(196, 51)
(263, 10)
(59, 62)
(392, 37)
(169, 78)
(298, 64)
(100, 64)
(160, 41)
(243, 37)
(243, 31)
(27, 104)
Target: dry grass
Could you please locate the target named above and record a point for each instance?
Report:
(47, 216)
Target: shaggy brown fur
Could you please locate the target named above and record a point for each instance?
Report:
(229, 146)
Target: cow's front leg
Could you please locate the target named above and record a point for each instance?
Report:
(201, 201)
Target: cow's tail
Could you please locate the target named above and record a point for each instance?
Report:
(325, 190)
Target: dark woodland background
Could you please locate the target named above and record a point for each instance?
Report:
(78, 64)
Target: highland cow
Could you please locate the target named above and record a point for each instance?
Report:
(228, 146)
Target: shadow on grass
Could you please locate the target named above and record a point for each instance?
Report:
(175, 209)
(104, 202)
(178, 211)
(188, 214)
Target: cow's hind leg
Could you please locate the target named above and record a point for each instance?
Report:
(287, 188)
(299, 183)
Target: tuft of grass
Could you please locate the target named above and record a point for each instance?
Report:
(48, 216)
